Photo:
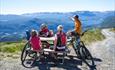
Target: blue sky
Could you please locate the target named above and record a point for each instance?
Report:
(31, 6)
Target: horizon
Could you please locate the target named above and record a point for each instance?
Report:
(57, 12)
(32, 6)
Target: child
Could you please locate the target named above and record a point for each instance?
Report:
(35, 41)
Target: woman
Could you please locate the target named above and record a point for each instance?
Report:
(60, 39)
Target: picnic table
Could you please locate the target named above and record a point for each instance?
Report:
(51, 40)
(47, 38)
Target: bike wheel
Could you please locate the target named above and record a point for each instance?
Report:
(30, 59)
(86, 55)
(24, 53)
(27, 56)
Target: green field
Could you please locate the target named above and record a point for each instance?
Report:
(11, 47)
(15, 47)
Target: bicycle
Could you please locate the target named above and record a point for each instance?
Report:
(28, 56)
(81, 50)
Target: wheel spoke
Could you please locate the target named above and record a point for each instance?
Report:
(86, 55)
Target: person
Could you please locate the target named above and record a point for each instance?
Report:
(60, 39)
(44, 31)
(76, 33)
(28, 34)
(77, 30)
(35, 41)
(77, 23)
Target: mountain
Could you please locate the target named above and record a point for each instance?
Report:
(108, 22)
(16, 25)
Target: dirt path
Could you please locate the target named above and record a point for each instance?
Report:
(103, 50)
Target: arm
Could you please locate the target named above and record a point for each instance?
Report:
(55, 42)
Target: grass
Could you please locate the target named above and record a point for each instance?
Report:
(11, 47)
(93, 36)
(112, 29)
(14, 47)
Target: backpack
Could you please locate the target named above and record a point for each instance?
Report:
(61, 39)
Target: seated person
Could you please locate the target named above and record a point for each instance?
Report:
(44, 31)
(35, 41)
(28, 34)
(60, 39)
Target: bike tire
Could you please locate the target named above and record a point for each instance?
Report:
(86, 55)
(24, 49)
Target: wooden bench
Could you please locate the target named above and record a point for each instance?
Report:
(53, 51)
(51, 39)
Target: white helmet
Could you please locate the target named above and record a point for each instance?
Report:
(43, 25)
(59, 26)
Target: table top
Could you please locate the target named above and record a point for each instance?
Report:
(47, 38)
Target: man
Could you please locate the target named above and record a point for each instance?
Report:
(77, 31)
(77, 24)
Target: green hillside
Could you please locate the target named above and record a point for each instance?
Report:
(15, 47)
(93, 36)
(108, 22)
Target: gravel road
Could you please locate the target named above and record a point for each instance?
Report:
(102, 51)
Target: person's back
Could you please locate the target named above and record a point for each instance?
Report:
(60, 41)
(35, 41)
(77, 24)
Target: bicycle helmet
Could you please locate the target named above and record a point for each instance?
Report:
(43, 25)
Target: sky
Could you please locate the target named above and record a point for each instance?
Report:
(31, 6)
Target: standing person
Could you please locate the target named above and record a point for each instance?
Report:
(77, 30)
(77, 25)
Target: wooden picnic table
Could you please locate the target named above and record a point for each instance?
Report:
(47, 38)
(50, 50)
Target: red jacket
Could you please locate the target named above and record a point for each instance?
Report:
(35, 43)
(62, 36)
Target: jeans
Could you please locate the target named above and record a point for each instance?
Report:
(77, 41)
(77, 38)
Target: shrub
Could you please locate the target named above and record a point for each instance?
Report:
(92, 36)
(11, 47)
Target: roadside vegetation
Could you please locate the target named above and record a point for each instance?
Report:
(15, 47)
(112, 29)
(93, 36)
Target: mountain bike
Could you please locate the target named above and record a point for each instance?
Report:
(28, 56)
(80, 49)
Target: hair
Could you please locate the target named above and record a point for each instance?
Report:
(33, 32)
(43, 25)
(59, 26)
(76, 16)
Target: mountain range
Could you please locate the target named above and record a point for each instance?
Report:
(13, 27)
